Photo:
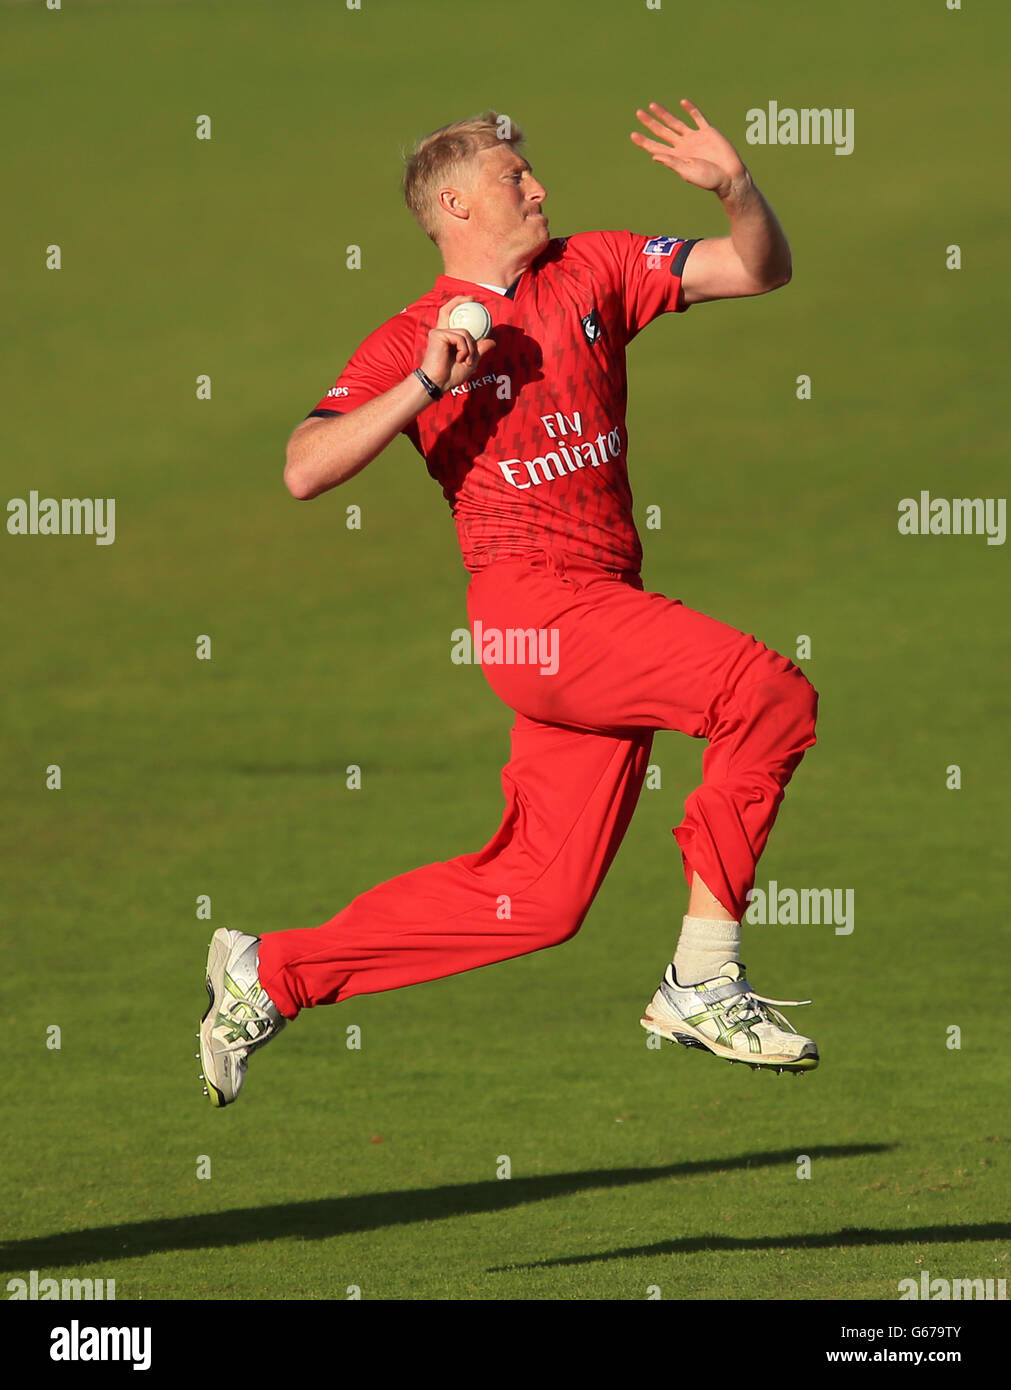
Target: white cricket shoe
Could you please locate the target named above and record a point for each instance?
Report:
(240, 1015)
(727, 1018)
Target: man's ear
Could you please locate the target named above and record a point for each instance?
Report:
(453, 203)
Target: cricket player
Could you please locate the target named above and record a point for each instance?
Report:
(525, 432)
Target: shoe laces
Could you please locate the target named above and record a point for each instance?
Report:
(752, 1007)
(254, 1027)
(779, 1003)
(746, 1010)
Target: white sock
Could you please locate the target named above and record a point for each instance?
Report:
(704, 947)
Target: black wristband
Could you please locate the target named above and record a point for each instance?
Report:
(434, 391)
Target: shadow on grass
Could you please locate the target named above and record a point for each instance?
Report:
(828, 1240)
(335, 1216)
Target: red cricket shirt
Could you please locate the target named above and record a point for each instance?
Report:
(532, 451)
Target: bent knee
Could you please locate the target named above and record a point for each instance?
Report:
(554, 926)
(785, 694)
(803, 697)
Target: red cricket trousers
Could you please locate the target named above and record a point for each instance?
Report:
(627, 662)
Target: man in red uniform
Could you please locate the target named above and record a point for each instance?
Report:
(525, 431)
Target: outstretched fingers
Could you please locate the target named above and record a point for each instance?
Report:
(695, 113)
(665, 131)
(668, 127)
(652, 146)
(671, 121)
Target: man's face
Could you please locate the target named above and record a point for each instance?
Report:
(504, 200)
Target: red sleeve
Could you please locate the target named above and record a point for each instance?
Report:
(383, 359)
(648, 271)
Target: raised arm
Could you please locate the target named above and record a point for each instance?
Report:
(323, 453)
(755, 257)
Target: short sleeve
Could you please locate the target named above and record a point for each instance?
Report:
(649, 269)
(382, 361)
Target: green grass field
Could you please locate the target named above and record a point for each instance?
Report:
(376, 1168)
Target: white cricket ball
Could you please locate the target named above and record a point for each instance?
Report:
(473, 318)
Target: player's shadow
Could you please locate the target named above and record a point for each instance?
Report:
(824, 1240)
(335, 1216)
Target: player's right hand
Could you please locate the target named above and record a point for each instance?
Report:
(452, 356)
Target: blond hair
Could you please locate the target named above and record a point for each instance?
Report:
(442, 155)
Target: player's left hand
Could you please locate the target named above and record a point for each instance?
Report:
(703, 157)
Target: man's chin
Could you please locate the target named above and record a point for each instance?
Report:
(537, 238)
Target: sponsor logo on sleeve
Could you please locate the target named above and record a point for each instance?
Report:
(661, 245)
